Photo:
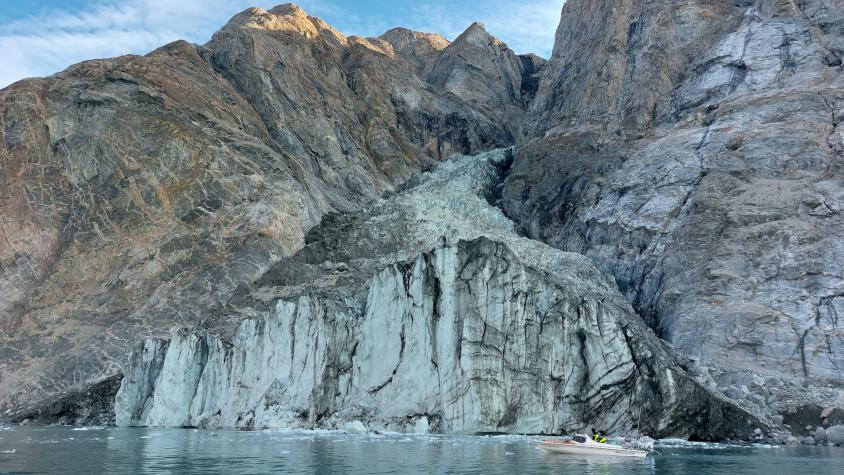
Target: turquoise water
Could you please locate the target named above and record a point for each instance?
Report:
(101, 451)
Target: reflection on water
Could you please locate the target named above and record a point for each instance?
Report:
(97, 450)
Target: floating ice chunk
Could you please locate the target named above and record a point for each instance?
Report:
(355, 427)
(421, 426)
(690, 444)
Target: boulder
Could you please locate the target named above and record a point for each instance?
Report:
(832, 416)
(820, 435)
(835, 435)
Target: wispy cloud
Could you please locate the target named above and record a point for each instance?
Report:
(44, 44)
(529, 26)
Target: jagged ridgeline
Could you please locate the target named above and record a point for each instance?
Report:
(290, 227)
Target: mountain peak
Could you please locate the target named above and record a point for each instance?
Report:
(477, 35)
(289, 9)
(477, 25)
(402, 37)
(289, 18)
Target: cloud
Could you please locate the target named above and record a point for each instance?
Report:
(45, 44)
(38, 55)
(528, 27)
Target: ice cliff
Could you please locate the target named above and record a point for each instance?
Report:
(485, 331)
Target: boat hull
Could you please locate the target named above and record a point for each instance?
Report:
(578, 449)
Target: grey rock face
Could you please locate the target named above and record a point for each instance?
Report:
(786, 399)
(532, 67)
(464, 69)
(690, 150)
(617, 63)
(699, 163)
(486, 332)
(419, 48)
(835, 435)
(91, 405)
(140, 192)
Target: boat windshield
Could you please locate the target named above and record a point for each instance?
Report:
(579, 439)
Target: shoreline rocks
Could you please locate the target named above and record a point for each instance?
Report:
(835, 435)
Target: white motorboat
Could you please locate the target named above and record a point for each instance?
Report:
(582, 445)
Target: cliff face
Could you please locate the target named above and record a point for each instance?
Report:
(270, 221)
(699, 162)
(484, 332)
(139, 192)
(616, 63)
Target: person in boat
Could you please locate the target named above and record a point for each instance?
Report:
(599, 438)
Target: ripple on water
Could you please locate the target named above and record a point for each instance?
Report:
(191, 451)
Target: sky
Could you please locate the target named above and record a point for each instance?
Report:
(42, 37)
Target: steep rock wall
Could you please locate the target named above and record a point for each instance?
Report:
(705, 174)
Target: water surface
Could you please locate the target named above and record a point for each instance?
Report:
(115, 451)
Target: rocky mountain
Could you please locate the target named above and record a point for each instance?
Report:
(418, 48)
(699, 162)
(139, 193)
(267, 230)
